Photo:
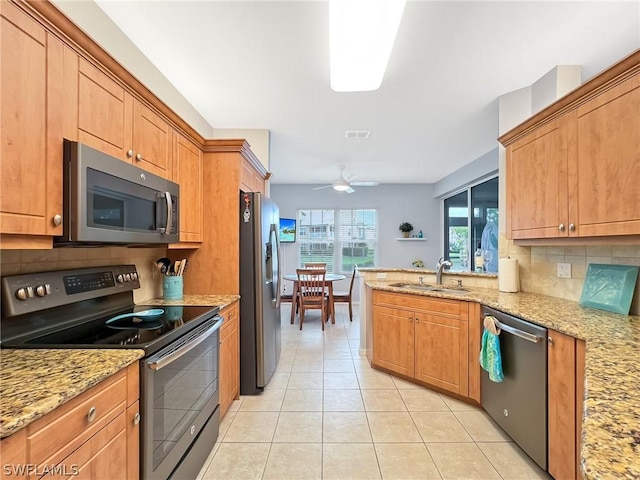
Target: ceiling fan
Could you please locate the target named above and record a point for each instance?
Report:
(344, 183)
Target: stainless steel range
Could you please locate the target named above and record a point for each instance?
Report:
(93, 308)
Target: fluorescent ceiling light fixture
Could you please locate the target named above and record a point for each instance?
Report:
(362, 34)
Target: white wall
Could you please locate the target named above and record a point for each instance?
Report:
(483, 167)
(413, 203)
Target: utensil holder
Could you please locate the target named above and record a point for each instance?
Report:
(172, 287)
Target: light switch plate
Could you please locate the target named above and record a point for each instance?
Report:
(564, 270)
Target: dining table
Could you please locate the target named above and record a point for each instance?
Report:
(329, 279)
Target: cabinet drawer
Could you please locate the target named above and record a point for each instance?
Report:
(231, 318)
(441, 306)
(53, 437)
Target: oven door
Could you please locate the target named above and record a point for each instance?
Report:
(111, 201)
(179, 394)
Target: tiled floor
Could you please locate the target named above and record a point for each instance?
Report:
(327, 415)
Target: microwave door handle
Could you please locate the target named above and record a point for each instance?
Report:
(167, 229)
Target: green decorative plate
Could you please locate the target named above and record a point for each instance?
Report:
(609, 287)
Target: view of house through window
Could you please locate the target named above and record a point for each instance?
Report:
(471, 228)
(339, 238)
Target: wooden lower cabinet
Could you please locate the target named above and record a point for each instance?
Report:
(565, 391)
(229, 357)
(424, 338)
(95, 435)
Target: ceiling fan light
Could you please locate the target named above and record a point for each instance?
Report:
(362, 33)
(341, 185)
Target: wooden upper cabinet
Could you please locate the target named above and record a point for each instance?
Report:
(31, 127)
(250, 179)
(537, 183)
(607, 168)
(573, 168)
(187, 172)
(108, 118)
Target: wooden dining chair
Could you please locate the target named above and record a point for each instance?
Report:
(346, 297)
(315, 265)
(311, 286)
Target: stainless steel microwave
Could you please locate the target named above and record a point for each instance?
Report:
(108, 201)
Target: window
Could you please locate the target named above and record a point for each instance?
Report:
(339, 238)
(471, 223)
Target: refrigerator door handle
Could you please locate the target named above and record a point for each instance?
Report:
(278, 266)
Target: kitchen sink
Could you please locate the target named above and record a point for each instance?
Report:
(431, 288)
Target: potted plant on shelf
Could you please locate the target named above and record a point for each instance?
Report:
(406, 228)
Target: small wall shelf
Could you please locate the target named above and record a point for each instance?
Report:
(411, 239)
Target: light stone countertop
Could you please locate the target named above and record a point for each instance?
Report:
(196, 300)
(36, 382)
(611, 416)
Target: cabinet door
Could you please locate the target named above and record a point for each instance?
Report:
(251, 180)
(31, 130)
(229, 359)
(537, 183)
(608, 163)
(393, 339)
(151, 141)
(104, 110)
(561, 391)
(442, 352)
(187, 172)
(133, 441)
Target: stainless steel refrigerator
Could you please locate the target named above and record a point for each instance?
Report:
(259, 291)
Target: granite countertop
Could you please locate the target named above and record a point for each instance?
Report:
(198, 300)
(460, 273)
(611, 416)
(35, 382)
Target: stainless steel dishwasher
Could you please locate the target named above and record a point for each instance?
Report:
(519, 403)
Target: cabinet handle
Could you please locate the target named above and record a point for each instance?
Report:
(572, 227)
(139, 157)
(57, 219)
(410, 319)
(561, 227)
(91, 416)
(136, 418)
(550, 340)
(417, 320)
(129, 153)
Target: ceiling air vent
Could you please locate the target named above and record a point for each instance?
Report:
(357, 134)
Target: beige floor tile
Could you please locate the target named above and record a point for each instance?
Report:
(267, 401)
(278, 381)
(305, 381)
(383, 401)
(461, 461)
(337, 353)
(361, 364)
(392, 427)
(440, 427)
(235, 405)
(342, 380)
(511, 462)
(307, 365)
(299, 427)
(354, 461)
(338, 364)
(405, 461)
(238, 461)
(404, 385)
(345, 427)
(284, 366)
(302, 461)
(252, 427)
(422, 400)
(375, 380)
(481, 427)
(457, 405)
(342, 401)
(225, 423)
(302, 401)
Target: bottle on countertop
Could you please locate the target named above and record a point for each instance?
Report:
(420, 234)
(479, 260)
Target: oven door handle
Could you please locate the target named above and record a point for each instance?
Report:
(164, 360)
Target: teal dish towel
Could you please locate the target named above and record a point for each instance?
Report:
(490, 357)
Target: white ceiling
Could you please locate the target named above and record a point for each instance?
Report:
(265, 65)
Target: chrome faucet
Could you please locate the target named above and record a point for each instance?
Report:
(441, 264)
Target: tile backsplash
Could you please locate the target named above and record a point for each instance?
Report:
(538, 266)
(13, 262)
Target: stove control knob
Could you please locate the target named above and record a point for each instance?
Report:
(134, 276)
(21, 294)
(127, 277)
(40, 291)
(30, 292)
(120, 278)
(47, 288)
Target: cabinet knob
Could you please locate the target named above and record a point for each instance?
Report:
(57, 220)
(550, 340)
(136, 418)
(139, 157)
(410, 319)
(561, 227)
(572, 227)
(129, 153)
(417, 320)
(91, 416)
